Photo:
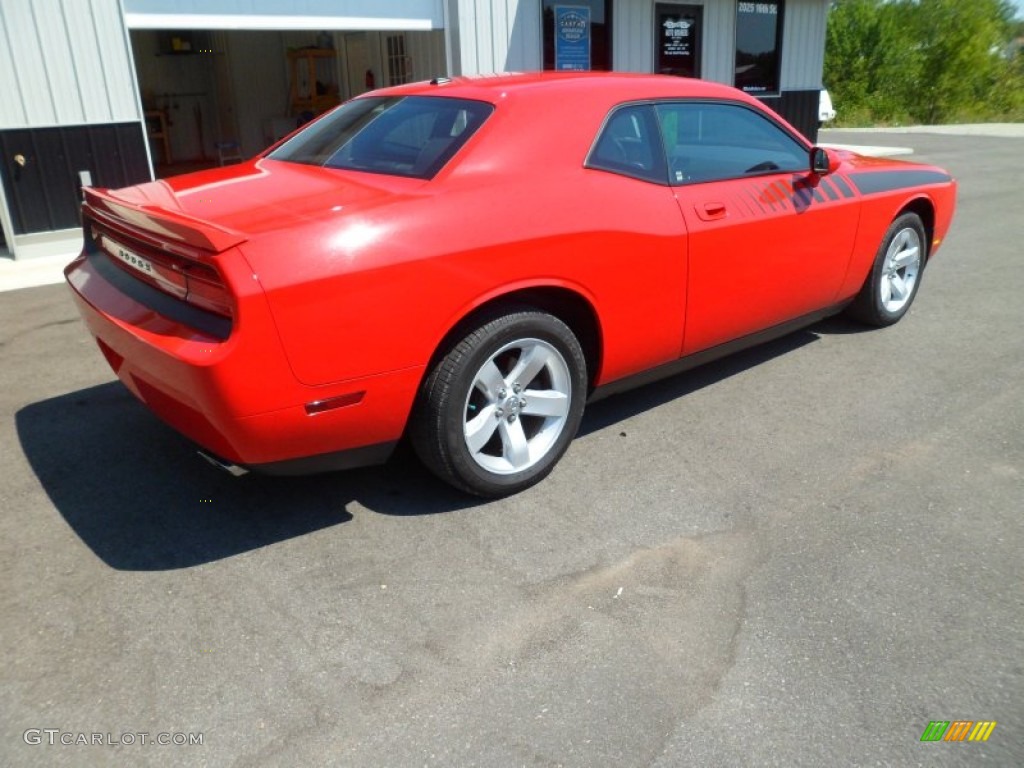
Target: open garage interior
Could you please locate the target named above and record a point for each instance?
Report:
(212, 97)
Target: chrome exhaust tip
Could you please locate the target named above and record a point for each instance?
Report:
(227, 466)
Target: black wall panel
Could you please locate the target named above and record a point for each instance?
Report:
(800, 108)
(43, 190)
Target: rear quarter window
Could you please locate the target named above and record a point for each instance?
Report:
(628, 144)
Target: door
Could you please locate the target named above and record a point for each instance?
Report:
(769, 241)
(357, 63)
(677, 39)
(40, 169)
(225, 118)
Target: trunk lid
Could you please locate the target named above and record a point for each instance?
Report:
(223, 207)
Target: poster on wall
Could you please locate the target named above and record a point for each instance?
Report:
(677, 32)
(675, 38)
(572, 37)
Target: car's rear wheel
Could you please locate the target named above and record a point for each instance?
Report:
(896, 274)
(496, 413)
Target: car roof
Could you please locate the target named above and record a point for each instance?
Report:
(612, 86)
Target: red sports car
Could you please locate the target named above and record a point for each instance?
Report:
(467, 262)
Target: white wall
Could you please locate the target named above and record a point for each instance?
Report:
(719, 41)
(495, 35)
(64, 62)
(803, 40)
(505, 35)
(426, 53)
(634, 33)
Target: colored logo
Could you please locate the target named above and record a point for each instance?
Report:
(958, 730)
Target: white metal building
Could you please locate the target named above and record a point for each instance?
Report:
(113, 92)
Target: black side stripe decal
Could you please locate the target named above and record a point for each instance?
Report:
(751, 198)
(888, 181)
(840, 182)
(745, 204)
(754, 200)
(829, 190)
(802, 196)
(766, 198)
(776, 194)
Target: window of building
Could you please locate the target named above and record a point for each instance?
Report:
(577, 34)
(629, 145)
(398, 63)
(758, 43)
(707, 141)
(678, 30)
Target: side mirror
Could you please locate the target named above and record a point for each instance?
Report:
(822, 163)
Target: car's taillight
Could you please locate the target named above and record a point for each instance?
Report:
(184, 278)
(207, 290)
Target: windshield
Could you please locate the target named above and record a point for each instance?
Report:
(399, 135)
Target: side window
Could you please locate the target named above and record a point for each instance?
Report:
(629, 145)
(711, 142)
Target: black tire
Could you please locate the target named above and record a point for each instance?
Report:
(452, 392)
(869, 306)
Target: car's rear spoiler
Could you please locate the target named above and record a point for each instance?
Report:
(157, 221)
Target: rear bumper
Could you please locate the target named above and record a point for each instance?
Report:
(350, 458)
(237, 397)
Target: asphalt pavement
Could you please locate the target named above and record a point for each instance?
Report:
(798, 556)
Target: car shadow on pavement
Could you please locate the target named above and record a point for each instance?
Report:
(605, 413)
(840, 325)
(141, 499)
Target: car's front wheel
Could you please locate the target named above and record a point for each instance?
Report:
(895, 275)
(496, 413)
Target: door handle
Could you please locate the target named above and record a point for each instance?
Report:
(711, 211)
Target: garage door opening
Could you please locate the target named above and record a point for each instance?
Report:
(215, 97)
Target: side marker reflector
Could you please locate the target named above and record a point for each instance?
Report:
(319, 406)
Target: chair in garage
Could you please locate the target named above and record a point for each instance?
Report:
(228, 151)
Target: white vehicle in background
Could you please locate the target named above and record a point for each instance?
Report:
(826, 112)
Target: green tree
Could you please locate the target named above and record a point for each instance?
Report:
(869, 67)
(962, 62)
(922, 60)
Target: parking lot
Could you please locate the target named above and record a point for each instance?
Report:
(800, 555)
